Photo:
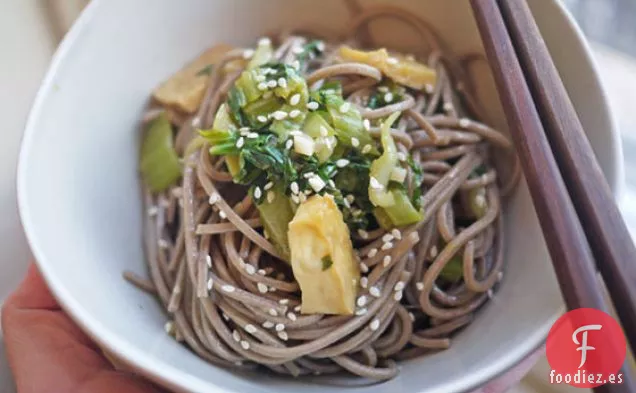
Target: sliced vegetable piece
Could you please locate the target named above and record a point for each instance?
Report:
(275, 216)
(160, 166)
(454, 269)
(382, 167)
(402, 211)
(223, 121)
(347, 123)
(316, 126)
(185, 89)
(317, 232)
(263, 54)
(399, 68)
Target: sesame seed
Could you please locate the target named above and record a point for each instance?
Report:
(261, 272)
(260, 78)
(464, 123)
(297, 308)
(419, 286)
(317, 183)
(398, 296)
(364, 268)
(250, 328)
(222, 215)
(283, 336)
(364, 282)
(386, 261)
(433, 252)
(367, 124)
(323, 131)
(296, 133)
(302, 197)
(272, 289)
(362, 301)
(210, 283)
(374, 183)
(344, 108)
(412, 316)
(250, 269)
(500, 276)
(447, 106)
(236, 336)
(297, 50)
(320, 46)
(490, 294)
(386, 246)
(262, 288)
(208, 260)
(312, 105)
(273, 312)
(366, 149)
(294, 188)
(291, 316)
(295, 99)
(258, 193)
(372, 252)
(245, 345)
(282, 82)
(341, 163)
(387, 237)
(262, 119)
(264, 41)
(361, 311)
(375, 324)
(268, 186)
(375, 292)
(169, 327)
(272, 84)
(429, 88)
(162, 243)
(280, 327)
(480, 200)
(383, 89)
(401, 156)
(308, 175)
(396, 233)
(296, 64)
(271, 196)
(295, 199)
(252, 135)
(262, 86)
(289, 144)
(350, 198)
(399, 286)
(248, 53)
(363, 234)
(279, 115)
(355, 142)
(153, 211)
(388, 97)
(228, 288)
(294, 113)
(268, 324)
(392, 60)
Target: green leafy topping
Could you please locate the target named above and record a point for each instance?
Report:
(386, 94)
(416, 182)
(454, 269)
(275, 215)
(206, 71)
(310, 50)
(160, 167)
(326, 262)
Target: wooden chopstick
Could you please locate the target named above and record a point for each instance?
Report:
(606, 231)
(568, 246)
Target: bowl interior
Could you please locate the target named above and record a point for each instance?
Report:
(80, 199)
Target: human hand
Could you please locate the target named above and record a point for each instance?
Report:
(47, 352)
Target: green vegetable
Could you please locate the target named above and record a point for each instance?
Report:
(262, 107)
(313, 125)
(160, 165)
(402, 212)
(263, 54)
(207, 70)
(310, 50)
(378, 98)
(249, 85)
(416, 182)
(381, 168)
(275, 217)
(223, 121)
(454, 269)
(383, 219)
(477, 201)
(347, 124)
(326, 262)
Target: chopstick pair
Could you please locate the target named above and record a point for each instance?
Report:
(580, 220)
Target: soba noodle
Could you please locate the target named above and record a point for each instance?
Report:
(235, 304)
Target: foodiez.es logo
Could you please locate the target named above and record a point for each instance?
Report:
(586, 348)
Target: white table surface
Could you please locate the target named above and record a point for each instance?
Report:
(28, 39)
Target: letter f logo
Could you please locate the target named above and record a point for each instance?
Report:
(583, 344)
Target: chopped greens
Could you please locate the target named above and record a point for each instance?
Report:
(326, 262)
(386, 94)
(206, 71)
(160, 165)
(309, 51)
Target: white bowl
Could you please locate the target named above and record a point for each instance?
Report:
(81, 208)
